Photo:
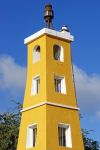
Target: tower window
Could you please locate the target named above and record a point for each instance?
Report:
(60, 86)
(35, 85)
(36, 54)
(31, 136)
(64, 134)
(58, 53)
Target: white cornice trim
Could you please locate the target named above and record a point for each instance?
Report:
(60, 105)
(25, 109)
(65, 35)
(52, 104)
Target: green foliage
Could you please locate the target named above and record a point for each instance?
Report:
(9, 128)
(89, 144)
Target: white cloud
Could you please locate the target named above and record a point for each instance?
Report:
(12, 75)
(88, 91)
(98, 114)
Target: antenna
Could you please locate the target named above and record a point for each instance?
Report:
(48, 15)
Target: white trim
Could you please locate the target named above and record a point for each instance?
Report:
(50, 103)
(34, 85)
(63, 124)
(62, 54)
(36, 54)
(63, 85)
(67, 133)
(64, 106)
(29, 139)
(66, 35)
(38, 105)
(31, 125)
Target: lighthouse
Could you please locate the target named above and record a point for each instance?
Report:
(50, 114)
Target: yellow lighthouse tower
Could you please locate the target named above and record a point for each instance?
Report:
(50, 118)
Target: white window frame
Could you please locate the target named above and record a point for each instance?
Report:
(34, 90)
(35, 54)
(30, 137)
(68, 138)
(61, 59)
(63, 84)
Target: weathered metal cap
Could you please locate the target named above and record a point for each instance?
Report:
(48, 14)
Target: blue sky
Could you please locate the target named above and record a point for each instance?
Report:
(19, 19)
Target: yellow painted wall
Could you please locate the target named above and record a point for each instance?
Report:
(38, 116)
(47, 117)
(34, 69)
(59, 68)
(56, 115)
(46, 68)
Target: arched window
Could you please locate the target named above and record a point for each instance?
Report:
(58, 53)
(36, 54)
